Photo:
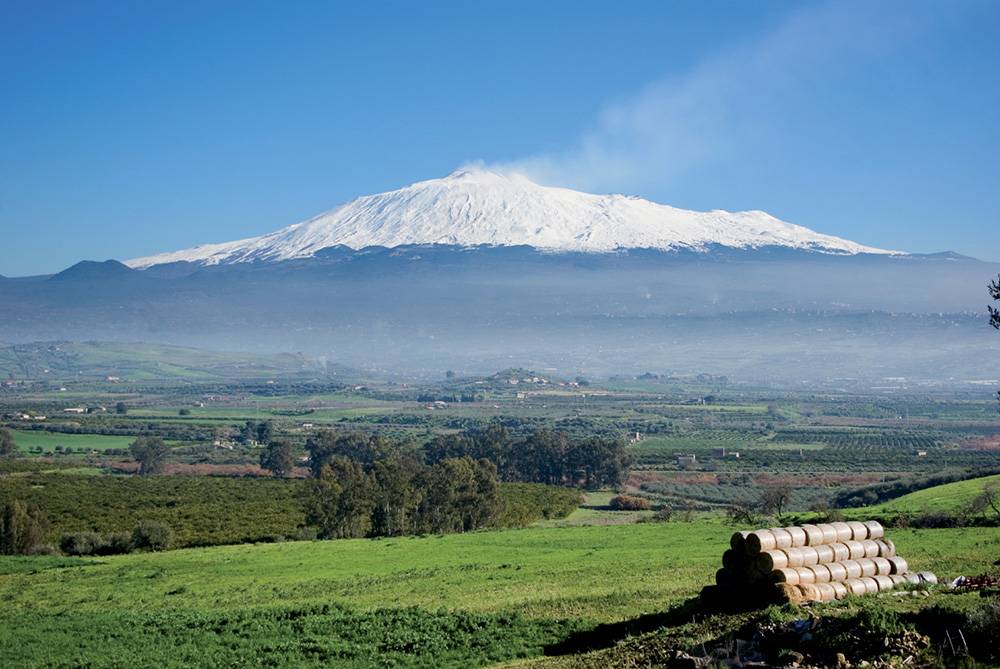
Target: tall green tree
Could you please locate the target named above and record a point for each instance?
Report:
(7, 444)
(21, 528)
(396, 495)
(324, 445)
(339, 501)
(151, 454)
(277, 458)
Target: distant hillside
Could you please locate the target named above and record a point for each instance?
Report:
(950, 497)
(98, 360)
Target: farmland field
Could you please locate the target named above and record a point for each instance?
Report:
(304, 603)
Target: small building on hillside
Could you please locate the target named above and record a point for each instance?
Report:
(685, 461)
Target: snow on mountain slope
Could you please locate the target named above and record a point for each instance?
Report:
(473, 206)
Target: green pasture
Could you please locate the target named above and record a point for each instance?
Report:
(29, 440)
(457, 600)
(950, 497)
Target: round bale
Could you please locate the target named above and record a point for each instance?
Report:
(856, 586)
(735, 560)
(784, 592)
(820, 573)
(868, 567)
(856, 549)
(853, 569)
(829, 533)
(826, 592)
(809, 555)
(898, 579)
(806, 575)
(841, 552)
(875, 529)
(771, 560)
(858, 530)
(825, 553)
(927, 577)
(871, 585)
(814, 535)
(844, 532)
(884, 583)
(809, 592)
(797, 534)
(785, 575)
(760, 540)
(837, 571)
(872, 548)
(795, 557)
(782, 539)
(898, 565)
(724, 577)
(886, 548)
(839, 589)
(738, 541)
(913, 578)
(882, 566)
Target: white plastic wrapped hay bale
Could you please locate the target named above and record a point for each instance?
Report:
(814, 535)
(872, 548)
(927, 577)
(797, 535)
(856, 587)
(829, 533)
(875, 529)
(898, 564)
(898, 579)
(806, 575)
(858, 530)
(856, 549)
(871, 585)
(771, 560)
(809, 555)
(853, 569)
(821, 574)
(868, 567)
(912, 578)
(825, 592)
(841, 552)
(886, 548)
(839, 589)
(785, 575)
(782, 539)
(882, 566)
(760, 540)
(884, 583)
(795, 557)
(837, 571)
(844, 532)
(825, 553)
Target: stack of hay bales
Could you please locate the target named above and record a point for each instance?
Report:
(817, 563)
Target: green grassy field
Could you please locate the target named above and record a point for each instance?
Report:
(950, 497)
(312, 603)
(29, 440)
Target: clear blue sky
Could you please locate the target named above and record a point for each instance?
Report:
(139, 127)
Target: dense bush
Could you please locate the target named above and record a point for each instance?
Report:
(629, 503)
(152, 535)
(522, 504)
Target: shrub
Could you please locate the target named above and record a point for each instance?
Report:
(81, 543)
(152, 535)
(630, 503)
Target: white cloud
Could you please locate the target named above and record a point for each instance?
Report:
(686, 121)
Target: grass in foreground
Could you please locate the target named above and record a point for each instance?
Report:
(496, 595)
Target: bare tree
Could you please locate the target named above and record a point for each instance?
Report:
(989, 498)
(775, 499)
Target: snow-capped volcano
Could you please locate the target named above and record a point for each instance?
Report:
(474, 206)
